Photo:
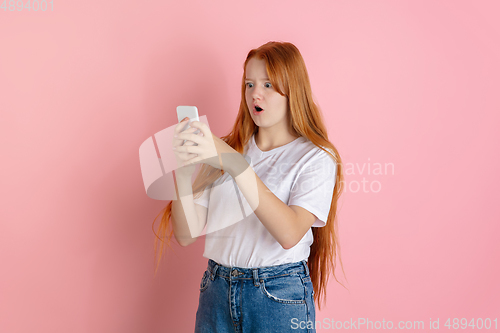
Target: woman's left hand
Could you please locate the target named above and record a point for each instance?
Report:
(210, 150)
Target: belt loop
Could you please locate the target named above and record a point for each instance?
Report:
(255, 272)
(306, 268)
(216, 266)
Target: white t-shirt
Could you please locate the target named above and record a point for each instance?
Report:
(298, 173)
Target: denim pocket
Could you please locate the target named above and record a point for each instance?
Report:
(205, 281)
(284, 289)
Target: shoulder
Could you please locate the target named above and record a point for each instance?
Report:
(318, 155)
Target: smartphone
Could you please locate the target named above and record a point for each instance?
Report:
(191, 112)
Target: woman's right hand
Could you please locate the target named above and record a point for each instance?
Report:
(188, 170)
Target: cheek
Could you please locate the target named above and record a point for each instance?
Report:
(280, 102)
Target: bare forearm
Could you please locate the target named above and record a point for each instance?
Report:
(274, 214)
(184, 217)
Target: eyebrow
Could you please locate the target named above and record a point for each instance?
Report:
(265, 78)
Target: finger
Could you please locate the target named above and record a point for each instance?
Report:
(190, 130)
(201, 126)
(190, 137)
(196, 131)
(178, 130)
(188, 157)
(188, 149)
(181, 125)
(183, 122)
(189, 142)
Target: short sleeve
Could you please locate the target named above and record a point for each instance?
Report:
(204, 199)
(314, 185)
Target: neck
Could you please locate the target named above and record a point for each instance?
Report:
(267, 139)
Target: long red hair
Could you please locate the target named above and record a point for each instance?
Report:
(288, 75)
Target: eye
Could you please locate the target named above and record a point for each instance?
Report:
(268, 85)
(249, 84)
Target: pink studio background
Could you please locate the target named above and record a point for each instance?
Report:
(412, 84)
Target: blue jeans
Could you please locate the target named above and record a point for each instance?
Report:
(264, 299)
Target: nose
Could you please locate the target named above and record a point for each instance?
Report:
(256, 92)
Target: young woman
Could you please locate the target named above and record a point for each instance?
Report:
(267, 196)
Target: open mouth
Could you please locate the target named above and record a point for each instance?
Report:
(258, 108)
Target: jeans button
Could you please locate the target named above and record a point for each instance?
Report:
(234, 273)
